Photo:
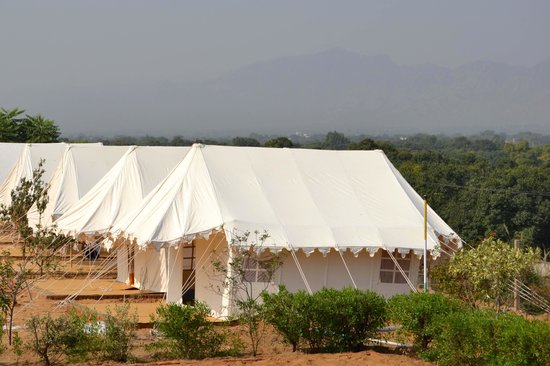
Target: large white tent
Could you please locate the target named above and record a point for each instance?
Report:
(312, 204)
(80, 168)
(29, 159)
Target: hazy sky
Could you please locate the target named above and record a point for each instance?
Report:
(63, 43)
(59, 45)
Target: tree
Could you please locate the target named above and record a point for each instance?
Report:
(245, 277)
(336, 141)
(9, 129)
(279, 142)
(180, 141)
(485, 274)
(39, 129)
(13, 280)
(245, 141)
(15, 128)
(365, 144)
(38, 247)
(23, 197)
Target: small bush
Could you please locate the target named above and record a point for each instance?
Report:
(347, 317)
(482, 338)
(287, 312)
(186, 331)
(465, 338)
(81, 336)
(329, 320)
(120, 326)
(75, 335)
(521, 342)
(47, 338)
(420, 315)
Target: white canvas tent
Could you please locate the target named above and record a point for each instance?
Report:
(80, 168)
(9, 153)
(321, 206)
(28, 161)
(117, 194)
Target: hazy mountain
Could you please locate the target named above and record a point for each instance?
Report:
(331, 90)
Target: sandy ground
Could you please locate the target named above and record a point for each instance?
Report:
(371, 358)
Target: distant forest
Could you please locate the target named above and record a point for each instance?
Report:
(481, 185)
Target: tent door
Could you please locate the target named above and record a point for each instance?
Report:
(188, 290)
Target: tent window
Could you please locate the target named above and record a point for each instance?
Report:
(388, 270)
(253, 271)
(189, 258)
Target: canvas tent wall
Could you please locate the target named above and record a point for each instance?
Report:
(118, 193)
(28, 161)
(80, 168)
(9, 153)
(307, 200)
(331, 269)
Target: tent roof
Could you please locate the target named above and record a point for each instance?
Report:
(80, 168)
(121, 189)
(28, 160)
(304, 199)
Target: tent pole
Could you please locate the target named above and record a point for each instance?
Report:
(425, 245)
(131, 274)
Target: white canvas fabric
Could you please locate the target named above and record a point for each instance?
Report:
(79, 169)
(9, 153)
(28, 161)
(305, 199)
(121, 189)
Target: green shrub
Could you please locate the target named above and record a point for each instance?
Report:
(329, 320)
(345, 318)
(465, 338)
(81, 337)
(186, 331)
(120, 326)
(74, 335)
(47, 338)
(521, 342)
(420, 315)
(479, 337)
(287, 312)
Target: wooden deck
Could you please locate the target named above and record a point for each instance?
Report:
(82, 288)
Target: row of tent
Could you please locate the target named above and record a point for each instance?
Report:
(160, 197)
